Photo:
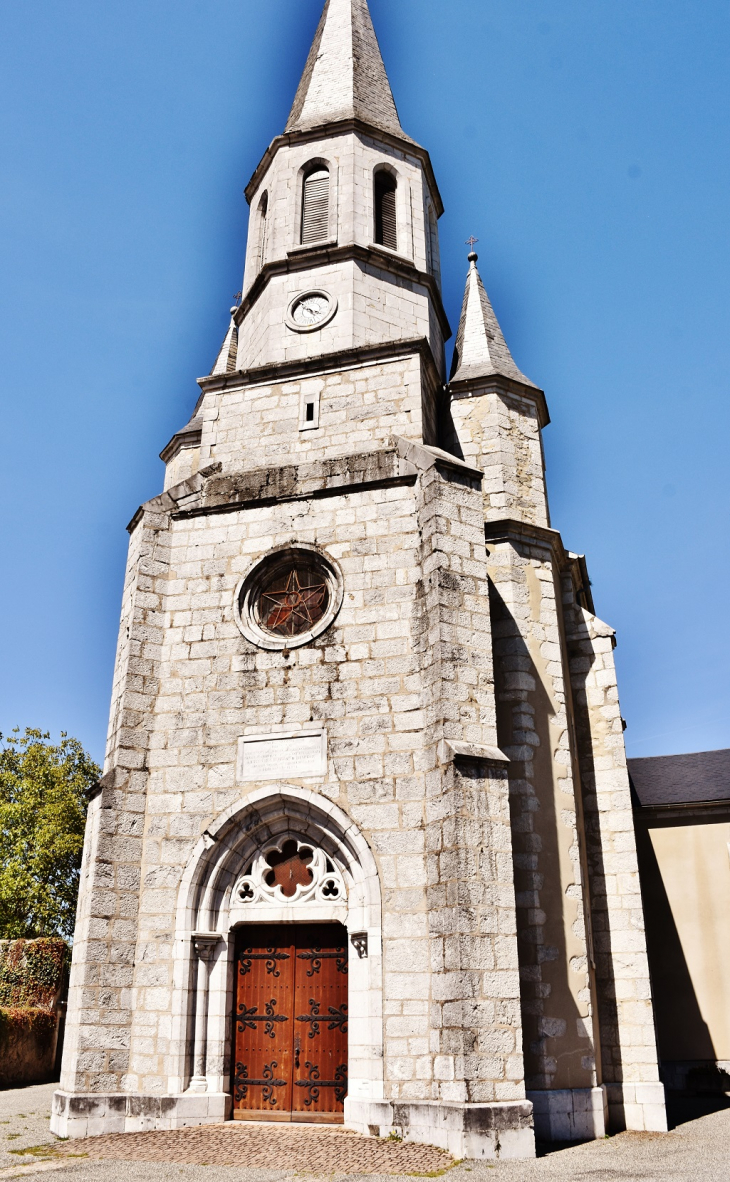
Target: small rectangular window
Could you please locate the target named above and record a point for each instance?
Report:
(309, 412)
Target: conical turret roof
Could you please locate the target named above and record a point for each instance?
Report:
(345, 77)
(226, 359)
(481, 350)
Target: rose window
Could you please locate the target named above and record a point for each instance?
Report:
(289, 598)
(293, 601)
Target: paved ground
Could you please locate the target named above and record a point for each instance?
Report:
(24, 1116)
(698, 1151)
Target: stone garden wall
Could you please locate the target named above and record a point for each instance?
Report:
(32, 981)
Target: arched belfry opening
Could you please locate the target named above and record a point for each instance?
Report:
(315, 205)
(262, 230)
(386, 213)
(279, 961)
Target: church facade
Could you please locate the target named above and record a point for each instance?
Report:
(363, 847)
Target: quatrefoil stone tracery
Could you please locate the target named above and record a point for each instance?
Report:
(292, 871)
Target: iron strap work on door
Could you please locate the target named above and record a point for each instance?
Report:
(290, 1052)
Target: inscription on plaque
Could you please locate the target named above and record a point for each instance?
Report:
(296, 755)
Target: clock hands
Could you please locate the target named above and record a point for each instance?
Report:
(311, 310)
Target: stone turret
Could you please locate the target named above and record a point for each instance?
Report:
(481, 350)
(497, 412)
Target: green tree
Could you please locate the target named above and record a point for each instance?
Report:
(42, 817)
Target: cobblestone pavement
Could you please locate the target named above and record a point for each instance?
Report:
(316, 1149)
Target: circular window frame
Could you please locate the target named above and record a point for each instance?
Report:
(303, 295)
(264, 569)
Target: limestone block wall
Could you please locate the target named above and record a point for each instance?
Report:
(585, 989)
(499, 431)
(183, 464)
(97, 1041)
(628, 1042)
(361, 406)
(414, 614)
(374, 305)
(474, 991)
(534, 731)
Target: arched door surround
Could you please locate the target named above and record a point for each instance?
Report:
(245, 870)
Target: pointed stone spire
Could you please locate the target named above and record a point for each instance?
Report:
(481, 350)
(226, 360)
(345, 77)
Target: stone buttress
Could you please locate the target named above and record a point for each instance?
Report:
(589, 1042)
(439, 721)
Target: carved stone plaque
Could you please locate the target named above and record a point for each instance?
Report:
(294, 755)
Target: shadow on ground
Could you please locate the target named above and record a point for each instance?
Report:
(683, 1109)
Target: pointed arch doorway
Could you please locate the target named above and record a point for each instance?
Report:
(290, 1023)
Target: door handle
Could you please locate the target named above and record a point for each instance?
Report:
(297, 1048)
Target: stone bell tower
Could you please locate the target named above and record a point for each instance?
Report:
(365, 755)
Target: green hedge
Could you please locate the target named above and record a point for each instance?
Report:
(31, 974)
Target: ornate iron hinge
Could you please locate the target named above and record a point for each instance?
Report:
(249, 1018)
(242, 1083)
(314, 1083)
(248, 956)
(316, 955)
(337, 1018)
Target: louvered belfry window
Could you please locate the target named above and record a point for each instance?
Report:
(263, 215)
(386, 227)
(315, 206)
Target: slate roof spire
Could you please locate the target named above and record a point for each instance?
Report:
(481, 350)
(226, 359)
(345, 77)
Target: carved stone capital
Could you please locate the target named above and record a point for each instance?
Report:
(205, 943)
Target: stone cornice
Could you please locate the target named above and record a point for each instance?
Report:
(511, 530)
(325, 363)
(317, 494)
(424, 456)
(453, 751)
(327, 253)
(188, 436)
(214, 491)
(346, 126)
(497, 383)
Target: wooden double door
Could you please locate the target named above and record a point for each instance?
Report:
(290, 1023)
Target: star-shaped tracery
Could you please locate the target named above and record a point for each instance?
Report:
(294, 602)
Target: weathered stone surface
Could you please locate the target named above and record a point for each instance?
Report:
(475, 798)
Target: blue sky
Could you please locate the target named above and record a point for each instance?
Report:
(584, 142)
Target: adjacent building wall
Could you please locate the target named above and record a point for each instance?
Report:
(685, 878)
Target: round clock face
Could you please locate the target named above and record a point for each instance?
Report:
(310, 311)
